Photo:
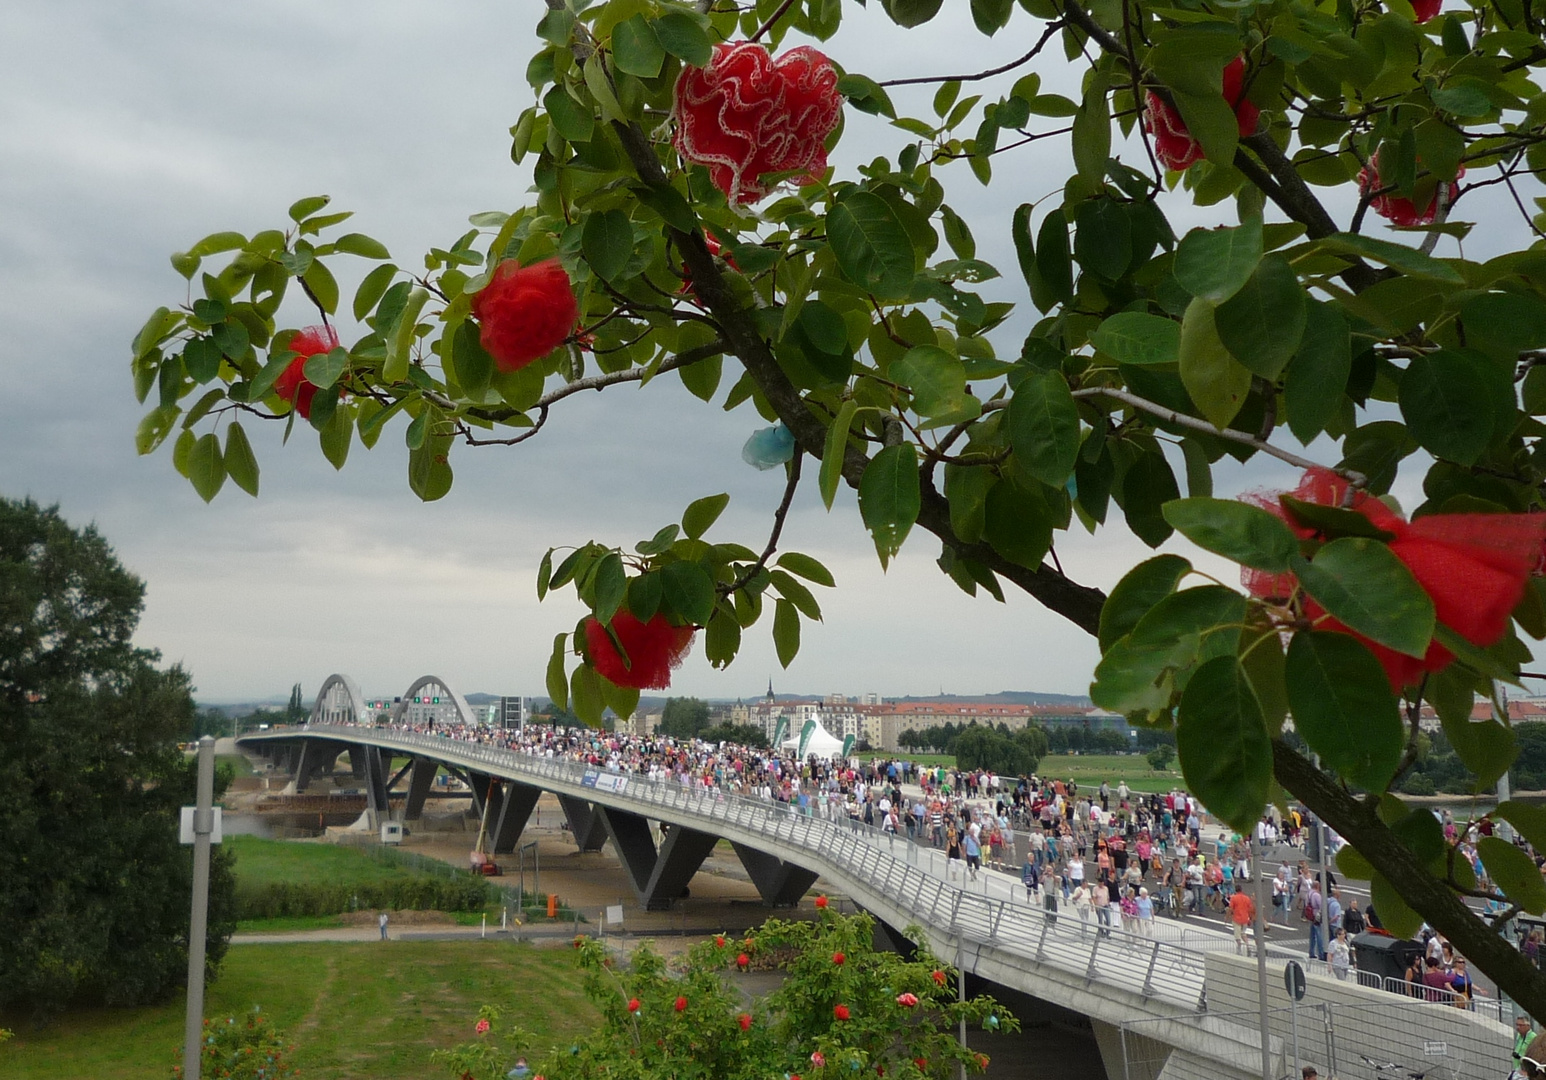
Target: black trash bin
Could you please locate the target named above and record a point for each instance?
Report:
(1383, 955)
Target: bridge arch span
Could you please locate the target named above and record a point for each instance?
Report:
(339, 702)
(463, 710)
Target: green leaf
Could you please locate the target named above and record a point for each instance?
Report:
(1361, 582)
(1091, 138)
(320, 281)
(395, 367)
(991, 16)
(300, 210)
(1043, 427)
(1142, 670)
(161, 323)
(966, 489)
(606, 239)
(1528, 818)
(1485, 747)
(701, 514)
(786, 631)
(806, 567)
(1214, 264)
(1332, 521)
(1513, 871)
(688, 590)
(610, 585)
(957, 234)
(871, 245)
(429, 469)
(937, 380)
(1053, 259)
(240, 464)
(371, 289)
(1221, 737)
(645, 593)
(1133, 337)
(890, 498)
(155, 427)
(600, 87)
(474, 366)
(1449, 401)
(660, 542)
(588, 703)
(1316, 378)
(1146, 487)
(1238, 531)
(1216, 381)
(635, 48)
(1396, 915)
(544, 574)
(1262, 324)
(1139, 590)
(722, 639)
(1343, 707)
(336, 435)
(573, 121)
(1103, 237)
(359, 244)
(323, 369)
(1407, 260)
(558, 685)
(910, 13)
(206, 467)
(682, 37)
(837, 445)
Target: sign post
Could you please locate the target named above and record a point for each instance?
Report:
(203, 827)
(1260, 870)
(1293, 982)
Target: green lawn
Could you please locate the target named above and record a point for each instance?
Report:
(260, 861)
(1091, 769)
(238, 762)
(367, 1011)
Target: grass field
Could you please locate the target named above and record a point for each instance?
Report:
(368, 1011)
(260, 861)
(238, 762)
(1083, 769)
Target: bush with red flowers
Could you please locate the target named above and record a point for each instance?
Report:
(1174, 145)
(241, 1049)
(291, 385)
(653, 650)
(746, 115)
(816, 1021)
(525, 312)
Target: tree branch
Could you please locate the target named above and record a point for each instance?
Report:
(1423, 893)
(778, 526)
(1052, 28)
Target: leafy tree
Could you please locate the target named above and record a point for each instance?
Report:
(684, 718)
(1161, 756)
(842, 1008)
(1286, 132)
(740, 734)
(297, 709)
(996, 749)
(94, 886)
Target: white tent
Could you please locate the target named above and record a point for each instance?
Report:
(818, 743)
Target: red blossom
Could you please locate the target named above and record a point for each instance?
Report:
(922, 1063)
(719, 941)
(292, 385)
(742, 960)
(1396, 209)
(633, 1005)
(907, 1001)
(713, 245)
(818, 1059)
(840, 1012)
(681, 1004)
(1173, 143)
(746, 114)
(654, 649)
(982, 1061)
(525, 312)
(482, 1027)
(939, 977)
(1426, 9)
(745, 1020)
(838, 958)
(821, 901)
(1474, 567)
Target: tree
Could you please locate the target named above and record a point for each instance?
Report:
(684, 718)
(94, 887)
(1284, 315)
(1161, 756)
(999, 751)
(297, 709)
(740, 734)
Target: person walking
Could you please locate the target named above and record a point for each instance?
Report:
(1081, 899)
(382, 923)
(1145, 913)
(1312, 915)
(1242, 913)
(1341, 955)
(1524, 1035)
(1101, 899)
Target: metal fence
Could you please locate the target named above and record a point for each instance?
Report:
(1396, 1040)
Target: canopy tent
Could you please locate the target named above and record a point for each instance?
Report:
(817, 740)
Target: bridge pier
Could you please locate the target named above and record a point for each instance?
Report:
(589, 833)
(419, 785)
(511, 812)
(1128, 1055)
(373, 764)
(779, 883)
(658, 877)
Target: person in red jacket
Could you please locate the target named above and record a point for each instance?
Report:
(1242, 913)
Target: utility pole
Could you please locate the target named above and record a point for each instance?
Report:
(1259, 869)
(203, 826)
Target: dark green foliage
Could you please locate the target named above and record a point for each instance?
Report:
(740, 734)
(684, 718)
(94, 887)
(419, 893)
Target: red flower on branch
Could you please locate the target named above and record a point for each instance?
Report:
(838, 958)
(939, 977)
(907, 1001)
(745, 1020)
(1426, 9)
(1474, 567)
(633, 1005)
(746, 114)
(292, 385)
(840, 1012)
(482, 1027)
(719, 941)
(525, 312)
(1173, 143)
(742, 960)
(821, 901)
(1398, 210)
(654, 649)
(681, 1004)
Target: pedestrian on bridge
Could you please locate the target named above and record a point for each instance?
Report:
(1242, 913)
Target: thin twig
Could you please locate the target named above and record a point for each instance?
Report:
(1052, 28)
(773, 18)
(778, 527)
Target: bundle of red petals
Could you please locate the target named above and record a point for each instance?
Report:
(714, 247)
(1426, 9)
(291, 384)
(525, 312)
(1474, 566)
(745, 115)
(1173, 144)
(654, 649)
(1398, 210)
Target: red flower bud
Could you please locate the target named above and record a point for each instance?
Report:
(719, 941)
(922, 1063)
(292, 385)
(939, 978)
(982, 1061)
(681, 1004)
(746, 114)
(633, 1005)
(654, 648)
(742, 960)
(482, 1027)
(838, 958)
(821, 901)
(840, 1012)
(907, 1001)
(525, 312)
(745, 1020)
(1426, 9)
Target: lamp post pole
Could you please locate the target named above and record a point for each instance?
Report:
(203, 826)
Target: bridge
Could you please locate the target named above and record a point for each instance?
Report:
(1177, 1006)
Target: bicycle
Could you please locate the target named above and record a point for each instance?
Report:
(1386, 1069)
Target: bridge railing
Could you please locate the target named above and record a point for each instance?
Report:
(985, 913)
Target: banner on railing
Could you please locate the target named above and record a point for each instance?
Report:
(604, 781)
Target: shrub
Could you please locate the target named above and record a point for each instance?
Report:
(249, 1049)
(419, 893)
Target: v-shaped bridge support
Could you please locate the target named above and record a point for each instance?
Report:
(658, 877)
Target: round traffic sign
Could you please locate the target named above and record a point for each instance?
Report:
(1293, 980)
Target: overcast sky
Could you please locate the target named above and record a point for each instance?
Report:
(128, 131)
